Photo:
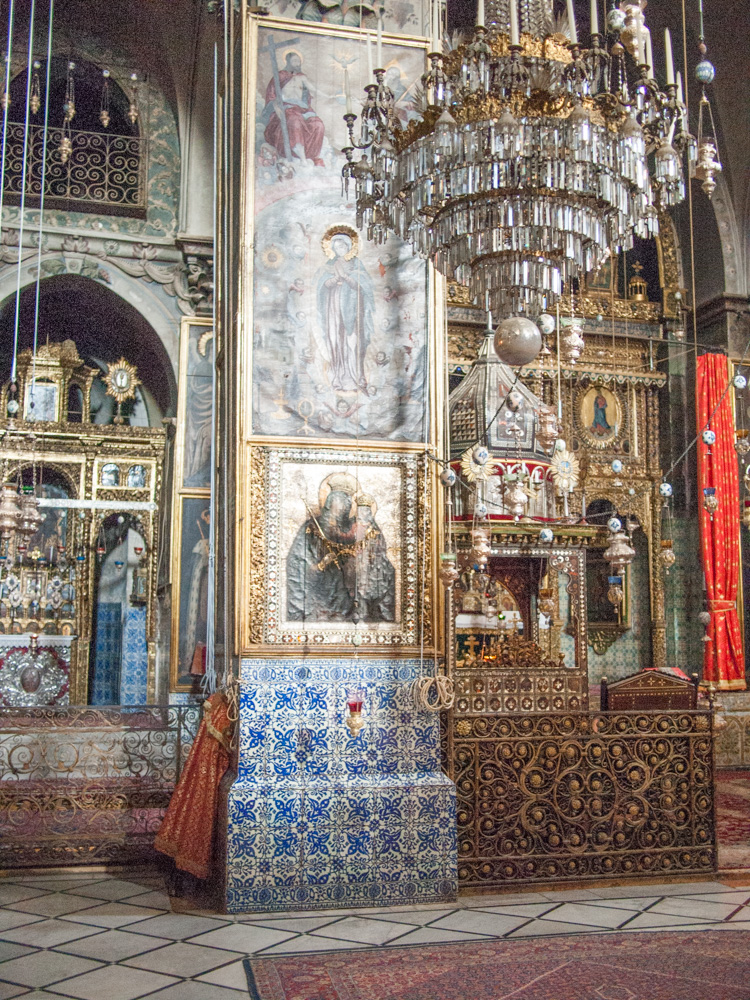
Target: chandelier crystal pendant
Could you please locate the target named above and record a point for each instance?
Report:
(534, 157)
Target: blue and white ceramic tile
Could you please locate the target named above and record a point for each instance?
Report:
(134, 669)
(318, 818)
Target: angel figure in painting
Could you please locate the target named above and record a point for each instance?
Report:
(346, 307)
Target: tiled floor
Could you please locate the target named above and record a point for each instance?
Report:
(94, 936)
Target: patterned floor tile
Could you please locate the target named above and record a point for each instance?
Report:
(592, 916)
(178, 926)
(113, 982)
(9, 949)
(301, 925)
(13, 918)
(15, 893)
(200, 991)
(8, 991)
(703, 910)
(305, 943)
(526, 910)
(112, 889)
(242, 938)
(545, 928)
(434, 935)
(181, 959)
(45, 967)
(54, 904)
(112, 946)
(362, 930)
(231, 976)
(663, 922)
(480, 922)
(112, 915)
(634, 903)
(152, 898)
(48, 933)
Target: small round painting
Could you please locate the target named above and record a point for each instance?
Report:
(600, 415)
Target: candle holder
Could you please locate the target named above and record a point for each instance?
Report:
(355, 699)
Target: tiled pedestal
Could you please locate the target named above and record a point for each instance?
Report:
(320, 819)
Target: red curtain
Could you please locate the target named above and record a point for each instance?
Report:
(723, 660)
(187, 832)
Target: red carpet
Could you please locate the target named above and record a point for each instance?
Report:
(704, 965)
(733, 819)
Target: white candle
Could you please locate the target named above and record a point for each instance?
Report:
(650, 53)
(436, 47)
(571, 23)
(514, 34)
(679, 87)
(480, 13)
(369, 57)
(379, 42)
(639, 43)
(347, 91)
(670, 58)
(594, 17)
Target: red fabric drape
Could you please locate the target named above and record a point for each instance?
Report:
(724, 660)
(187, 831)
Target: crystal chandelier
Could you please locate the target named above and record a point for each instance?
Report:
(534, 158)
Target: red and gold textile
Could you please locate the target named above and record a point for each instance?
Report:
(187, 832)
(723, 660)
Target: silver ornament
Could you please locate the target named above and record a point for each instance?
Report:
(614, 524)
(708, 437)
(517, 341)
(665, 489)
(514, 401)
(448, 477)
(616, 465)
(615, 21)
(546, 535)
(740, 381)
(546, 324)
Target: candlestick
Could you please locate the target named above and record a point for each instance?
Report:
(594, 17)
(679, 88)
(480, 13)
(514, 34)
(369, 56)
(670, 58)
(571, 23)
(379, 42)
(347, 91)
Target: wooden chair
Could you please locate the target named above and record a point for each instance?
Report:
(650, 691)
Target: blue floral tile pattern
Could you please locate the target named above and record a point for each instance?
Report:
(319, 818)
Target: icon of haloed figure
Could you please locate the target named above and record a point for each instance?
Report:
(600, 425)
(337, 567)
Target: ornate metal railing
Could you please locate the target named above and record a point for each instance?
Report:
(544, 798)
(104, 171)
(81, 785)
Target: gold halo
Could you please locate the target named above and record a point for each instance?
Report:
(325, 489)
(373, 506)
(340, 231)
(203, 342)
(293, 52)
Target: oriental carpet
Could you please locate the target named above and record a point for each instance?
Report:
(708, 965)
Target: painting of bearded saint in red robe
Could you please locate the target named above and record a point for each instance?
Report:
(301, 133)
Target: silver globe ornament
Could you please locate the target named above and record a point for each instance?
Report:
(517, 341)
(708, 437)
(13, 407)
(546, 324)
(739, 381)
(614, 524)
(546, 535)
(448, 477)
(705, 72)
(665, 489)
(480, 509)
(480, 454)
(514, 401)
(616, 466)
(615, 21)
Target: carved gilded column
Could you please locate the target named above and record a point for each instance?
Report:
(656, 580)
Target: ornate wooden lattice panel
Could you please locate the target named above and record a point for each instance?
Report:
(88, 785)
(554, 797)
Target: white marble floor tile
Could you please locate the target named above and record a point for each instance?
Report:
(112, 915)
(54, 904)
(304, 943)
(362, 930)
(200, 991)
(112, 946)
(152, 898)
(45, 967)
(300, 925)
(741, 914)
(178, 925)
(662, 921)
(480, 922)
(115, 888)
(569, 895)
(113, 982)
(547, 928)
(736, 896)
(630, 891)
(686, 888)
(526, 910)
(58, 883)
(231, 976)
(415, 917)
(181, 959)
(434, 935)
(14, 918)
(483, 900)
(703, 910)
(15, 893)
(594, 916)
(634, 903)
(9, 949)
(8, 990)
(243, 938)
(48, 933)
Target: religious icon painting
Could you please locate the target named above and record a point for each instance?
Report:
(600, 416)
(194, 420)
(341, 560)
(340, 345)
(190, 616)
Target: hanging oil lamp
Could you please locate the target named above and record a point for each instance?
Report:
(355, 700)
(448, 569)
(104, 115)
(133, 109)
(35, 97)
(710, 501)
